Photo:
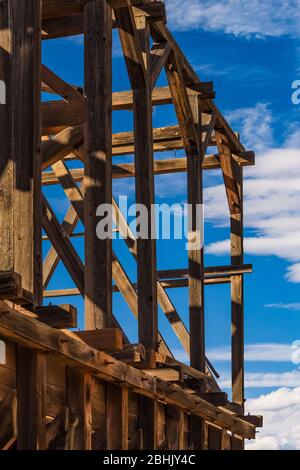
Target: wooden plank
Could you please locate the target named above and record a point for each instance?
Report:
(11, 288)
(98, 169)
(79, 404)
(27, 331)
(214, 438)
(58, 316)
(168, 374)
(31, 393)
(61, 145)
(20, 226)
(116, 417)
(105, 339)
(148, 422)
(175, 428)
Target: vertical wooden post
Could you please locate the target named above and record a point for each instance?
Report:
(175, 428)
(196, 263)
(20, 143)
(144, 181)
(78, 386)
(98, 166)
(148, 422)
(31, 393)
(237, 307)
(214, 438)
(196, 269)
(116, 417)
(237, 297)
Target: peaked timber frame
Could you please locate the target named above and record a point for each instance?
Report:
(147, 398)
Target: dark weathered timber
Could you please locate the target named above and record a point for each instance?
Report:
(98, 165)
(20, 221)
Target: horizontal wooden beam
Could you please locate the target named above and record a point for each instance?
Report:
(57, 316)
(31, 333)
(105, 339)
(59, 113)
(53, 9)
(209, 271)
(161, 167)
(11, 288)
(168, 284)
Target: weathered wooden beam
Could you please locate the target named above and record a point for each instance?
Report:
(237, 296)
(131, 45)
(61, 114)
(98, 165)
(173, 165)
(144, 183)
(78, 391)
(51, 260)
(208, 271)
(159, 54)
(69, 93)
(214, 438)
(27, 331)
(31, 395)
(11, 288)
(215, 398)
(63, 8)
(105, 339)
(116, 417)
(20, 225)
(57, 316)
(175, 428)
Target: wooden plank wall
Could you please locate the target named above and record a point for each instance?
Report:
(173, 427)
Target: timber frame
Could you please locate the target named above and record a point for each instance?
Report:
(92, 389)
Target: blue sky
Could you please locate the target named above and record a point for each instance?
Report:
(252, 56)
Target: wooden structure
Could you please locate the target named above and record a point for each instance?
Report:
(93, 389)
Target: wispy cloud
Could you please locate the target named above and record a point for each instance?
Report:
(267, 379)
(281, 412)
(293, 273)
(282, 306)
(237, 17)
(261, 352)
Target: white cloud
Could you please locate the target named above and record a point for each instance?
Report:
(254, 125)
(237, 17)
(281, 412)
(282, 306)
(262, 352)
(293, 273)
(266, 379)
